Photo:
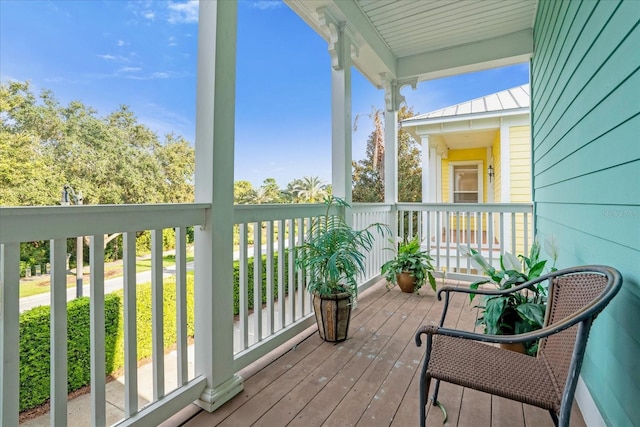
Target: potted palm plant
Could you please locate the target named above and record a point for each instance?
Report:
(517, 312)
(332, 255)
(410, 268)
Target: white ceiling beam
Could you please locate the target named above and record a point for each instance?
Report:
(362, 27)
(374, 56)
(505, 50)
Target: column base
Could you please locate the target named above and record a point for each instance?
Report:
(212, 398)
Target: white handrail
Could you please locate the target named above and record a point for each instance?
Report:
(491, 228)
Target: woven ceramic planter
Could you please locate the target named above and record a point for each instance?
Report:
(333, 314)
(406, 282)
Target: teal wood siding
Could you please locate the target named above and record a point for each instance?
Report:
(585, 84)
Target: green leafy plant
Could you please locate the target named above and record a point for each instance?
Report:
(333, 253)
(410, 259)
(517, 312)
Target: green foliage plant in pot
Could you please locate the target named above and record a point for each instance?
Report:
(331, 257)
(518, 312)
(410, 269)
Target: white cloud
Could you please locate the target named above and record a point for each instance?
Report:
(158, 75)
(108, 57)
(183, 13)
(266, 4)
(149, 14)
(172, 41)
(122, 43)
(129, 69)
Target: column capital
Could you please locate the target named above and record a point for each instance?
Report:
(341, 37)
(392, 96)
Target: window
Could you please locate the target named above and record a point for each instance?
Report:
(466, 184)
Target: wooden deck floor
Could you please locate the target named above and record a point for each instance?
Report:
(369, 380)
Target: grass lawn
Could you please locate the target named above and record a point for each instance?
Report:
(40, 284)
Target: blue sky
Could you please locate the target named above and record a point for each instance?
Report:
(143, 54)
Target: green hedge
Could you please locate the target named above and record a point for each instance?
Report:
(35, 347)
(250, 276)
(34, 333)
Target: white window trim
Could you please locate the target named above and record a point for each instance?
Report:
(480, 165)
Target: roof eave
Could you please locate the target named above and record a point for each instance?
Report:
(412, 122)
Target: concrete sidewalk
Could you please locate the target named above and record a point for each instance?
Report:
(79, 409)
(110, 285)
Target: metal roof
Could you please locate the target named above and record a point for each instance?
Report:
(514, 100)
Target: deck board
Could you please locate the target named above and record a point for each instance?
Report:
(371, 379)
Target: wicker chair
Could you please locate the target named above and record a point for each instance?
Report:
(575, 298)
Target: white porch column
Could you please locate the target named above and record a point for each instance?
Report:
(429, 169)
(341, 48)
(438, 177)
(430, 183)
(391, 156)
(215, 121)
(393, 99)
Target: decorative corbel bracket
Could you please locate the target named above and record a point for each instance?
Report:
(392, 96)
(340, 38)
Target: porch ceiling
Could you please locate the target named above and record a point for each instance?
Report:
(467, 140)
(428, 39)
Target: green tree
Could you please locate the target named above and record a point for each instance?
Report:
(243, 192)
(27, 177)
(111, 160)
(310, 190)
(409, 162)
(290, 193)
(368, 173)
(269, 192)
(177, 165)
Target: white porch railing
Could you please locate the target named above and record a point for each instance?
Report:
(274, 231)
(365, 214)
(489, 228)
(57, 224)
(281, 313)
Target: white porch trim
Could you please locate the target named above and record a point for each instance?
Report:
(588, 408)
(215, 124)
(341, 49)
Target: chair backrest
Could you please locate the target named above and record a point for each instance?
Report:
(580, 292)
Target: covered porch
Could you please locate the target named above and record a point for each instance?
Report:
(393, 44)
(369, 380)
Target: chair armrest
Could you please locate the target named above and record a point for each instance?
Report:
(586, 312)
(447, 290)
(565, 323)
(520, 287)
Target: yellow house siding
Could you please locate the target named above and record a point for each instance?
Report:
(520, 157)
(497, 169)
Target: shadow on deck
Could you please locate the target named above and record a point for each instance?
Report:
(369, 380)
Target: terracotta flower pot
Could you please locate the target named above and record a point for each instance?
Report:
(333, 314)
(406, 282)
(518, 347)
